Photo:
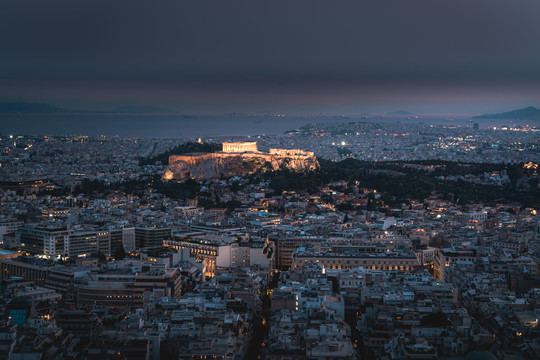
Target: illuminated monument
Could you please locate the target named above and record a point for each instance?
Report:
(237, 158)
(239, 147)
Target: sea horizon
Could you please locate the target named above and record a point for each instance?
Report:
(164, 126)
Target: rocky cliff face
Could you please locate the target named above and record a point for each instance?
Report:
(215, 165)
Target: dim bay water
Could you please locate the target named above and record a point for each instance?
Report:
(178, 126)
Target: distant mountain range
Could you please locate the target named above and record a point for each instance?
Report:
(35, 108)
(32, 108)
(529, 113)
(400, 112)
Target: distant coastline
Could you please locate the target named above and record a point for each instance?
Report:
(179, 126)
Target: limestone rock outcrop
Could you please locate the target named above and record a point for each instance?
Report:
(214, 165)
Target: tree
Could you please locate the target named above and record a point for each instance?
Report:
(435, 320)
(100, 256)
(119, 254)
(235, 186)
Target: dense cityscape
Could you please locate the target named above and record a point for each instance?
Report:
(269, 180)
(407, 241)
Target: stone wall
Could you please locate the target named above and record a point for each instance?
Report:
(215, 165)
(291, 152)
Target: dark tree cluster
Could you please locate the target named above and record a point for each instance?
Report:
(186, 148)
(399, 183)
(174, 190)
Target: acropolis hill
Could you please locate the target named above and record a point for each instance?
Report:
(237, 158)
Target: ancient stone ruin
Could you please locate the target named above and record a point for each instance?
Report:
(237, 158)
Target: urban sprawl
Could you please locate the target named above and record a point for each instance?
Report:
(405, 241)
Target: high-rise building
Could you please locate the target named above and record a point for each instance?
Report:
(151, 236)
(48, 240)
(57, 240)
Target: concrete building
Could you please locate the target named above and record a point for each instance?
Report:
(335, 257)
(9, 226)
(286, 246)
(221, 251)
(151, 236)
(128, 288)
(110, 241)
(81, 243)
(28, 268)
(48, 240)
(425, 256)
(54, 240)
(449, 256)
(7, 254)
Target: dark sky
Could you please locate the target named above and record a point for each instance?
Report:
(264, 56)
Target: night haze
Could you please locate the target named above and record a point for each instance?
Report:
(269, 180)
(299, 57)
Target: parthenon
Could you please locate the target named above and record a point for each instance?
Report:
(239, 147)
(237, 159)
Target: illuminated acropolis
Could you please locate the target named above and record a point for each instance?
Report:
(237, 158)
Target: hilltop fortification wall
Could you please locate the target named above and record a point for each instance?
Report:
(190, 159)
(291, 152)
(215, 165)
